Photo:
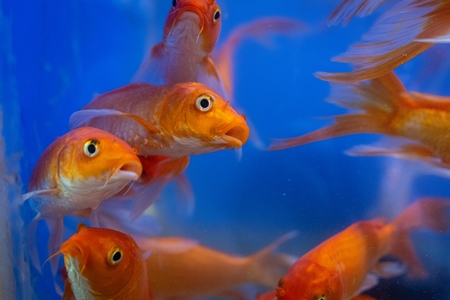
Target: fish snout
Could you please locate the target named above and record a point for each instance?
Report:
(236, 134)
(133, 167)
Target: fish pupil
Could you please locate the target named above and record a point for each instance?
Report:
(204, 103)
(91, 148)
(216, 15)
(117, 256)
(174, 3)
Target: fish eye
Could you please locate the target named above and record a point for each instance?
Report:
(322, 297)
(216, 15)
(174, 3)
(91, 148)
(205, 102)
(115, 255)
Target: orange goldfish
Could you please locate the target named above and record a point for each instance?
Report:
(104, 264)
(348, 263)
(179, 269)
(190, 33)
(78, 171)
(388, 108)
(170, 120)
(402, 33)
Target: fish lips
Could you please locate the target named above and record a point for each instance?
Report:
(235, 135)
(129, 171)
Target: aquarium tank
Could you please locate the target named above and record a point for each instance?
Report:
(56, 56)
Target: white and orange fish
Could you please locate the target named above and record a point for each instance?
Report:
(190, 33)
(166, 120)
(418, 122)
(348, 263)
(104, 264)
(78, 171)
(402, 33)
(177, 268)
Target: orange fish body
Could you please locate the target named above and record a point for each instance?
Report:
(104, 264)
(402, 33)
(78, 171)
(339, 267)
(387, 108)
(190, 33)
(201, 271)
(169, 120)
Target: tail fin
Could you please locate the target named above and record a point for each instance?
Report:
(402, 33)
(429, 213)
(377, 99)
(267, 267)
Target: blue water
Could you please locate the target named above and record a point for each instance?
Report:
(55, 55)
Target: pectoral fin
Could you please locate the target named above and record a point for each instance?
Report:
(46, 192)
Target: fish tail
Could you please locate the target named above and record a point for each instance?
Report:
(377, 99)
(429, 213)
(266, 267)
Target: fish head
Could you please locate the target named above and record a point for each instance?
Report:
(95, 161)
(203, 16)
(102, 261)
(202, 120)
(307, 280)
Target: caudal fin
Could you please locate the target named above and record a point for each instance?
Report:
(401, 33)
(426, 213)
(377, 99)
(266, 267)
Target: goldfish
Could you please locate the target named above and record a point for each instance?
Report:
(104, 264)
(348, 263)
(78, 171)
(191, 31)
(401, 34)
(418, 121)
(169, 120)
(188, 52)
(179, 268)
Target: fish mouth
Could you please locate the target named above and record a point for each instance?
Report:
(236, 135)
(131, 170)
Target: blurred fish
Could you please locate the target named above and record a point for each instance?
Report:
(192, 270)
(170, 120)
(259, 30)
(104, 264)
(402, 33)
(419, 121)
(77, 171)
(190, 33)
(348, 263)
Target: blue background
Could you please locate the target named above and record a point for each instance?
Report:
(56, 55)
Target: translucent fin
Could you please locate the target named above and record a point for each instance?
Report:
(370, 281)
(377, 99)
(259, 30)
(267, 267)
(389, 269)
(56, 227)
(152, 67)
(430, 213)
(31, 243)
(46, 192)
(82, 117)
(350, 8)
(393, 40)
